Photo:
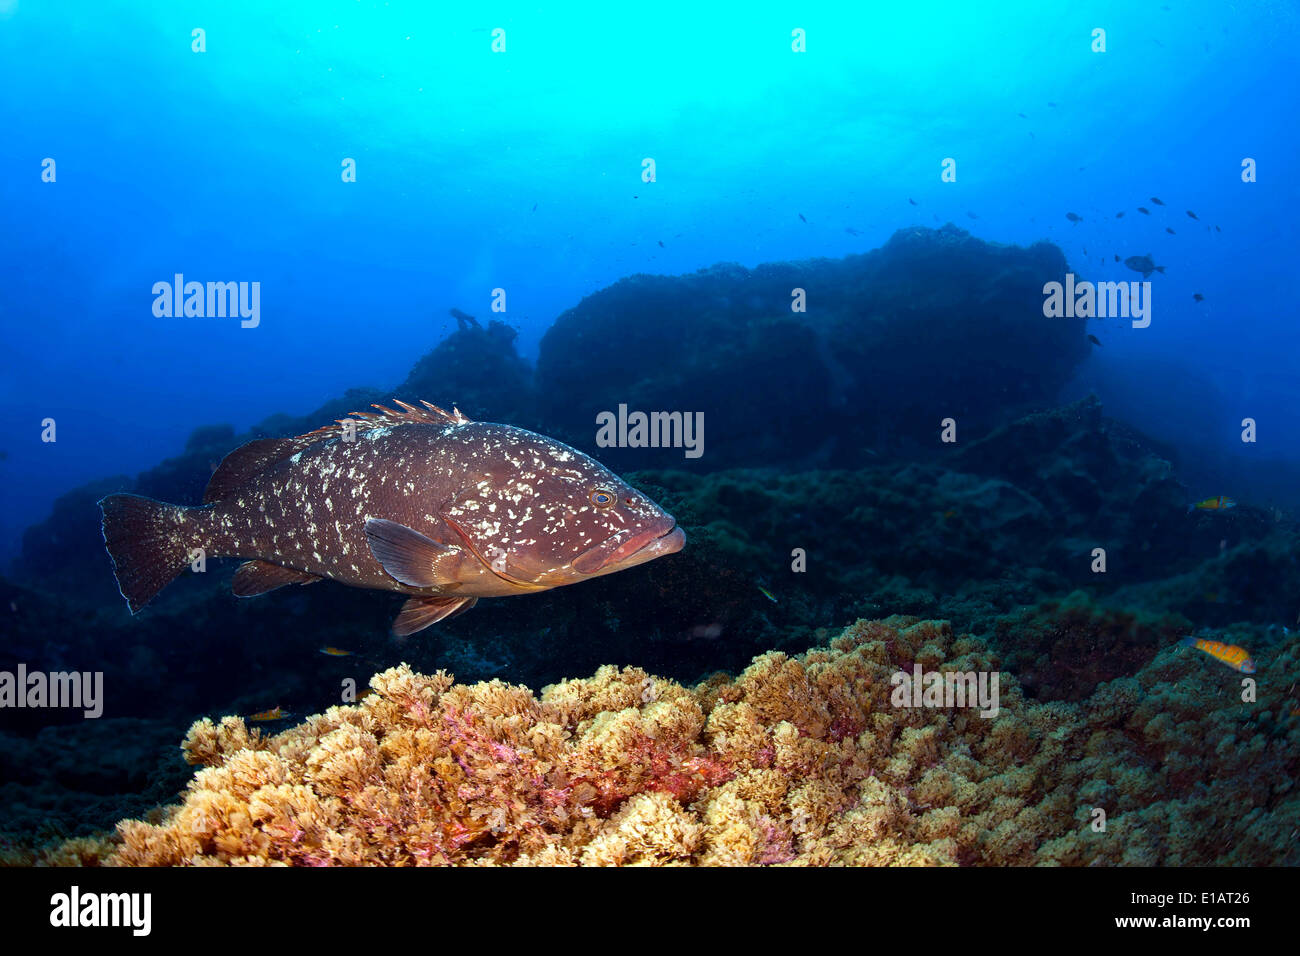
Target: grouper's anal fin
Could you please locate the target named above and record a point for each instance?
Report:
(419, 612)
(258, 577)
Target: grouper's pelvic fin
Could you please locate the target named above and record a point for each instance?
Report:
(148, 543)
(420, 612)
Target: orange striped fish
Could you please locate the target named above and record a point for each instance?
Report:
(1217, 503)
(1238, 658)
(275, 713)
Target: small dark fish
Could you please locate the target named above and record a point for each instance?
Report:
(1117, 258)
(1085, 250)
(912, 201)
(1144, 210)
(1074, 217)
(1217, 229)
(972, 215)
(1119, 215)
(851, 231)
(1143, 264)
(1157, 201)
(801, 217)
(534, 207)
(661, 243)
(1170, 231)
(1093, 340)
(1193, 215)
(1198, 297)
(1022, 116)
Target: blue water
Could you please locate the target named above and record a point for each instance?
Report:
(521, 170)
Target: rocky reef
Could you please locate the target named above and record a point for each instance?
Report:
(803, 760)
(835, 458)
(996, 538)
(891, 342)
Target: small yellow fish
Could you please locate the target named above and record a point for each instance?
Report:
(335, 652)
(1219, 503)
(276, 713)
(767, 594)
(1238, 658)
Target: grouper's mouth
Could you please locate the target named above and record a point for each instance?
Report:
(626, 550)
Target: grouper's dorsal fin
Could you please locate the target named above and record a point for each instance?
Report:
(248, 461)
(387, 417)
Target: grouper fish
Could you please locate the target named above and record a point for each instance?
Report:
(419, 501)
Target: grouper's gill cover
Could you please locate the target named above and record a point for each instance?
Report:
(417, 500)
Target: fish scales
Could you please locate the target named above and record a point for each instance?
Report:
(418, 502)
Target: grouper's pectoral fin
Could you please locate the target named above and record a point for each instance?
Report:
(419, 612)
(412, 558)
(258, 577)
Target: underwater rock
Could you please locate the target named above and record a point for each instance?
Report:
(62, 554)
(1062, 650)
(892, 341)
(478, 370)
(79, 779)
(1101, 483)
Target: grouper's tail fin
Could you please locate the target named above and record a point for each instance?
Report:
(145, 540)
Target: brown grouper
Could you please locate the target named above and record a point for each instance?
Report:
(418, 500)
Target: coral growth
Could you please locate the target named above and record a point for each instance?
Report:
(799, 760)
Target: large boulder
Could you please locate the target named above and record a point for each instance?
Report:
(933, 324)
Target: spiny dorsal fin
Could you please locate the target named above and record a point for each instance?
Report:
(248, 461)
(410, 415)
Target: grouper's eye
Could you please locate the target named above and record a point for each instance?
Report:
(602, 498)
